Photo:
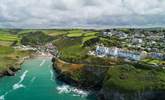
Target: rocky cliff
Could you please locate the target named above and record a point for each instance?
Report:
(97, 78)
(81, 75)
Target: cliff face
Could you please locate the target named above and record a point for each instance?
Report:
(13, 68)
(81, 75)
(106, 94)
(95, 77)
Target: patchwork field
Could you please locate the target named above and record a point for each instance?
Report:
(8, 37)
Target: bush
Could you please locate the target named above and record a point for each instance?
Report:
(35, 38)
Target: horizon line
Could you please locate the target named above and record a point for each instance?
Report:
(91, 27)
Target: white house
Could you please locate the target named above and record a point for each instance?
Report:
(107, 34)
(101, 50)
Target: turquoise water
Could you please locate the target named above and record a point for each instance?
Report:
(35, 81)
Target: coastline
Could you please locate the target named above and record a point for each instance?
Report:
(11, 71)
(88, 81)
(14, 68)
(95, 84)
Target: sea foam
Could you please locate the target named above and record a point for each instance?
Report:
(18, 84)
(2, 97)
(69, 89)
(51, 75)
(43, 61)
(33, 79)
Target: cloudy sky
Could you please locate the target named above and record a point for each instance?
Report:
(81, 13)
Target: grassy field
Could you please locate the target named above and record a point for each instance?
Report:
(88, 38)
(80, 33)
(76, 53)
(74, 35)
(8, 37)
(90, 33)
(5, 43)
(128, 78)
(4, 61)
(154, 61)
(9, 56)
(6, 50)
(70, 49)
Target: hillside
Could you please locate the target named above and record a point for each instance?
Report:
(81, 63)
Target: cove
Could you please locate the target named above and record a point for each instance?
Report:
(36, 81)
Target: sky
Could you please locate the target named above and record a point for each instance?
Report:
(81, 13)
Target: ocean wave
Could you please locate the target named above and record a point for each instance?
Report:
(43, 61)
(33, 79)
(18, 84)
(51, 75)
(15, 86)
(2, 97)
(69, 89)
(22, 77)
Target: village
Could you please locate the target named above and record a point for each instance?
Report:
(136, 45)
(46, 50)
(148, 40)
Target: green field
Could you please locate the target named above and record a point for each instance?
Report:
(128, 78)
(88, 38)
(8, 37)
(90, 33)
(80, 33)
(153, 61)
(76, 53)
(9, 57)
(74, 35)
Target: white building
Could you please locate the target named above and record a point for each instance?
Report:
(107, 34)
(101, 50)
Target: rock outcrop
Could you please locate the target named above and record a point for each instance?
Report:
(92, 77)
(81, 75)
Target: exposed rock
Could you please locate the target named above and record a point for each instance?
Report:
(9, 72)
(92, 77)
(13, 68)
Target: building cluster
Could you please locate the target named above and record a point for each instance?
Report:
(25, 48)
(128, 54)
(110, 33)
(117, 52)
(145, 40)
(51, 49)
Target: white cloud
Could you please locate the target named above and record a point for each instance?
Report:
(75, 13)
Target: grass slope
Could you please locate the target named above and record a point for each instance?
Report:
(128, 78)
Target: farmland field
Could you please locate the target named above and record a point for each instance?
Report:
(8, 37)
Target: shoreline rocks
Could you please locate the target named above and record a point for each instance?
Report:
(91, 79)
(14, 68)
(102, 92)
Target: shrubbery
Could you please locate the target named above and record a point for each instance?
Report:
(35, 38)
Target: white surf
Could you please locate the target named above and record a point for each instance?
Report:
(69, 89)
(51, 75)
(18, 84)
(43, 61)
